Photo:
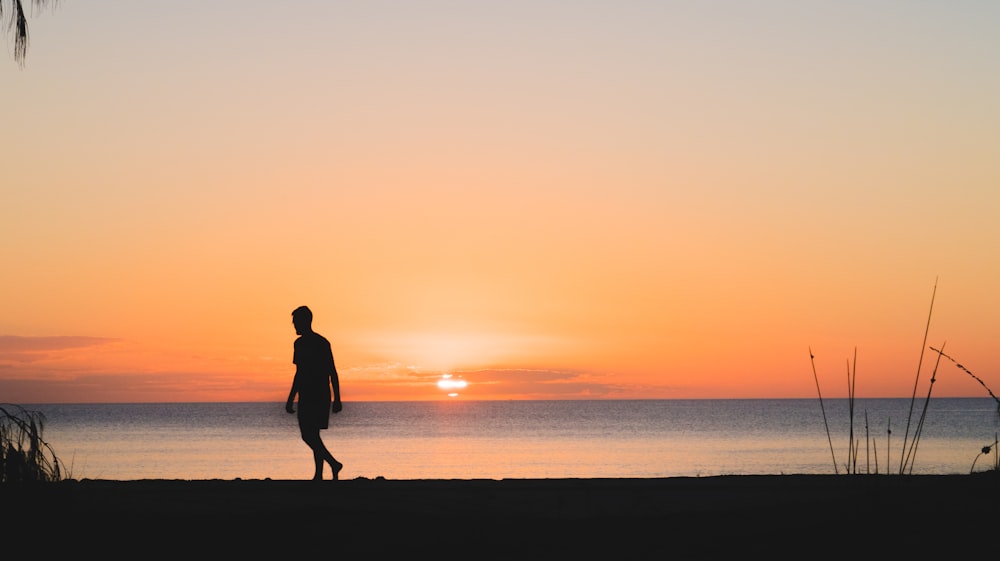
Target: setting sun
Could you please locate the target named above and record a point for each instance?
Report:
(451, 385)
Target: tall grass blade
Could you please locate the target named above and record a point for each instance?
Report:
(868, 446)
(875, 453)
(812, 360)
(916, 382)
(852, 458)
(912, 454)
(974, 377)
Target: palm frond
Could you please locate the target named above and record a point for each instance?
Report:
(18, 25)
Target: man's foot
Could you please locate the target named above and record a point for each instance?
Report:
(337, 466)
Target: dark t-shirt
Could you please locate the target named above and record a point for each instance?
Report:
(313, 359)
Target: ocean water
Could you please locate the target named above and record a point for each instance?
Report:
(524, 439)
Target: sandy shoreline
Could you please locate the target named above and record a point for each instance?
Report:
(698, 517)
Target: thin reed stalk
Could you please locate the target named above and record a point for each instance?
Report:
(974, 377)
(868, 462)
(916, 382)
(888, 442)
(812, 360)
(912, 454)
(875, 453)
(852, 457)
(985, 450)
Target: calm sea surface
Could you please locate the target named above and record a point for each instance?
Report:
(522, 439)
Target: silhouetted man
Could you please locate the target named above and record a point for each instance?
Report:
(315, 374)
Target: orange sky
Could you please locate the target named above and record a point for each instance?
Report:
(658, 200)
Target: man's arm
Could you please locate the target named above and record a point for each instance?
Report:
(335, 381)
(289, 405)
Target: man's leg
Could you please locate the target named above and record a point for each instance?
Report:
(321, 454)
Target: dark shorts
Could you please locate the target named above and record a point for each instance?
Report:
(314, 414)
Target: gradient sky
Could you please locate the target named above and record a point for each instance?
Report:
(642, 199)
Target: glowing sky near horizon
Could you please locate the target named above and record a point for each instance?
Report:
(548, 200)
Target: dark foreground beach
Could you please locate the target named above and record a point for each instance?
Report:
(786, 516)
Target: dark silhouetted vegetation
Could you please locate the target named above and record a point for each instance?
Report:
(24, 456)
(15, 21)
(910, 441)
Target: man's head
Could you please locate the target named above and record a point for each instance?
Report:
(302, 318)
